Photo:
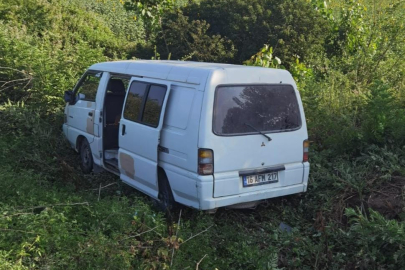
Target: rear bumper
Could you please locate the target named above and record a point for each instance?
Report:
(230, 184)
(207, 202)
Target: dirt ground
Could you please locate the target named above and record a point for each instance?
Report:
(389, 200)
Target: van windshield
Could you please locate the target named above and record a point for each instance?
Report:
(266, 108)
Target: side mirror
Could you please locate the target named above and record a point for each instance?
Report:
(69, 97)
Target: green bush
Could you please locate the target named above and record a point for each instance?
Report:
(284, 25)
(46, 45)
(126, 25)
(348, 62)
(376, 242)
(190, 40)
(354, 96)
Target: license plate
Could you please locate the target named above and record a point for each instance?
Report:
(260, 179)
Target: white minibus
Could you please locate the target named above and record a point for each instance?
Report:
(203, 135)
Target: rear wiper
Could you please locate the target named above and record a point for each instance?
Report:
(255, 129)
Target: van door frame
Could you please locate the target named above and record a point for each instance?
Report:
(102, 111)
(91, 115)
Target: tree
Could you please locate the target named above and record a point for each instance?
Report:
(189, 40)
(291, 27)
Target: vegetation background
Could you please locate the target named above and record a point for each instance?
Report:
(348, 57)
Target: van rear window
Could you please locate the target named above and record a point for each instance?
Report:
(247, 109)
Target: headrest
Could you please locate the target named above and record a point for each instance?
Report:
(116, 86)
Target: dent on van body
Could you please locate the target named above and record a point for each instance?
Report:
(128, 165)
(90, 124)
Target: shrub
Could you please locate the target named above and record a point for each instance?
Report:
(46, 45)
(377, 242)
(284, 25)
(190, 40)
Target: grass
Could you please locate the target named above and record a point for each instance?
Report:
(352, 216)
(54, 217)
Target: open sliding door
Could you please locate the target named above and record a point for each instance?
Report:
(139, 135)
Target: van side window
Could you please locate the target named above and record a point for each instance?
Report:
(144, 103)
(89, 85)
(134, 101)
(153, 105)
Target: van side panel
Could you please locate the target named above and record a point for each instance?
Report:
(178, 145)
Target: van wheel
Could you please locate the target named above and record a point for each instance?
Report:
(166, 200)
(86, 157)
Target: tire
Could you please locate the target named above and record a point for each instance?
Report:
(86, 157)
(166, 202)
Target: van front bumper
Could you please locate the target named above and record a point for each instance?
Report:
(207, 202)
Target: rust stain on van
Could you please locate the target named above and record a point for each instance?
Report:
(90, 124)
(89, 104)
(127, 164)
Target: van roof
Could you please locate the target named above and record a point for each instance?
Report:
(182, 71)
(165, 63)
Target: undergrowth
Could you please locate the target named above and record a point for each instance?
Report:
(54, 217)
(350, 74)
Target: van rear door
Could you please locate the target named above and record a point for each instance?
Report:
(260, 133)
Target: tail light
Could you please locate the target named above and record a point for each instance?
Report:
(306, 148)
(205, 161)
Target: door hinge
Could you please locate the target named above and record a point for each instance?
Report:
(101, 154)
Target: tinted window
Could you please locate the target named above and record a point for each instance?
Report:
(153, 105)
(268, 108)
(89, 85)
(133, 104)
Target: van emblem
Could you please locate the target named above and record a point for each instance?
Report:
(263, 144)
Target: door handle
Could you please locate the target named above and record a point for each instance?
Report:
(163, 149)
(90, 114)
(123, 129)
